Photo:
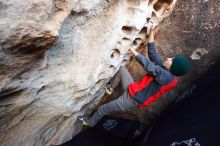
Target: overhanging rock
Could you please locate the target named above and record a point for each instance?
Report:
(56, 56)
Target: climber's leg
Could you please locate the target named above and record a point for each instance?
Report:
(124, 103)
(122, 75)
(126, 78)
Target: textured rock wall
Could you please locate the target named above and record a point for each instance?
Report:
(195, 34)
(56, 56)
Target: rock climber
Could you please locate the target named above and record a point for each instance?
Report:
(160, 78)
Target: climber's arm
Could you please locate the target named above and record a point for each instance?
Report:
(151, 37)
(152, 53)
(161, 75)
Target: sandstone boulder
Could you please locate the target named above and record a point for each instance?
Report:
(56, 57)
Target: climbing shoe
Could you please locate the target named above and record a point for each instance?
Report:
(108, 89)
(84, 120)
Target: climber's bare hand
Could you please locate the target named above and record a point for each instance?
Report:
(151, 25)
(133, 51)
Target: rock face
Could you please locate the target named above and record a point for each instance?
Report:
(57, 55)
(194, 35)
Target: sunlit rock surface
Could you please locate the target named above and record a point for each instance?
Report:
(57, 55)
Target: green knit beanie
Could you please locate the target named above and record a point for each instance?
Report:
(180, 66)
